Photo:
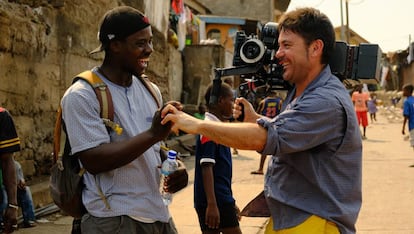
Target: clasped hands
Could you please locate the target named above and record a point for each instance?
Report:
(176, 119)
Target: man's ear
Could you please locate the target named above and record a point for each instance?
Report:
(316, 47)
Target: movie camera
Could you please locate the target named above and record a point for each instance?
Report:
(254, 61)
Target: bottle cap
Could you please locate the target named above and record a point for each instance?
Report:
(172, 154)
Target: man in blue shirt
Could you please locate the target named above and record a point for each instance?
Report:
(313, 182)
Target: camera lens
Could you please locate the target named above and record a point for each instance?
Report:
(252, 51)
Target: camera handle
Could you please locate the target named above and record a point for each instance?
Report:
(219, 72)
(241, 117)
(230, 71)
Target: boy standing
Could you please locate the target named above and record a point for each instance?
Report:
(408, 112)
(213, 197)
(372, 108)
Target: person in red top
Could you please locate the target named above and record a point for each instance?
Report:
(360, 100)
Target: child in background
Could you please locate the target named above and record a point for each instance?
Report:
(408, 112)
(213, 197)
(372, 108)
(270, 107)
(201, 111)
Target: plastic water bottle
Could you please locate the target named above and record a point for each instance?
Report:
(168, 166)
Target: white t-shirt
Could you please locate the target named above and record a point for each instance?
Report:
(132, 189)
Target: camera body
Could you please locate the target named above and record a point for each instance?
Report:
(252, 49)
(360, 64)
(259, 51)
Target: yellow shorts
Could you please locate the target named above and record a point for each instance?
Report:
(313, 225)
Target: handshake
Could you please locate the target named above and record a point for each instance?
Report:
(171, 117)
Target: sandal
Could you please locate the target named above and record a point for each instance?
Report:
(256, 173)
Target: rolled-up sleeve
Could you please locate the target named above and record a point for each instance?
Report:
(305, 126)
(270, 146)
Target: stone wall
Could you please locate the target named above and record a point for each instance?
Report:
(262, 9)
(200, 61)
(407, 73)
(44, 43)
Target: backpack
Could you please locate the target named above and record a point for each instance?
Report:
(66, 179)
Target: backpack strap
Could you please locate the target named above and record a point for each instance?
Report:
(102, 93)
(158, 99)
(104, 97)
(107, 112)
(145, 81)
(61, 143)
(59, 137)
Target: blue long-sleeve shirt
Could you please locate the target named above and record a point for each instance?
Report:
(317, 157)
(408, 111)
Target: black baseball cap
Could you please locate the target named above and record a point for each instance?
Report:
(118, 24)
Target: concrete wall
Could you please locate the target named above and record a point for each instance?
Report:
(199, 62)
(262, 10)
(227, 32)
(408, 74)
(44, 43)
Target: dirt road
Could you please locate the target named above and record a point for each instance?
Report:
(388, 186)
